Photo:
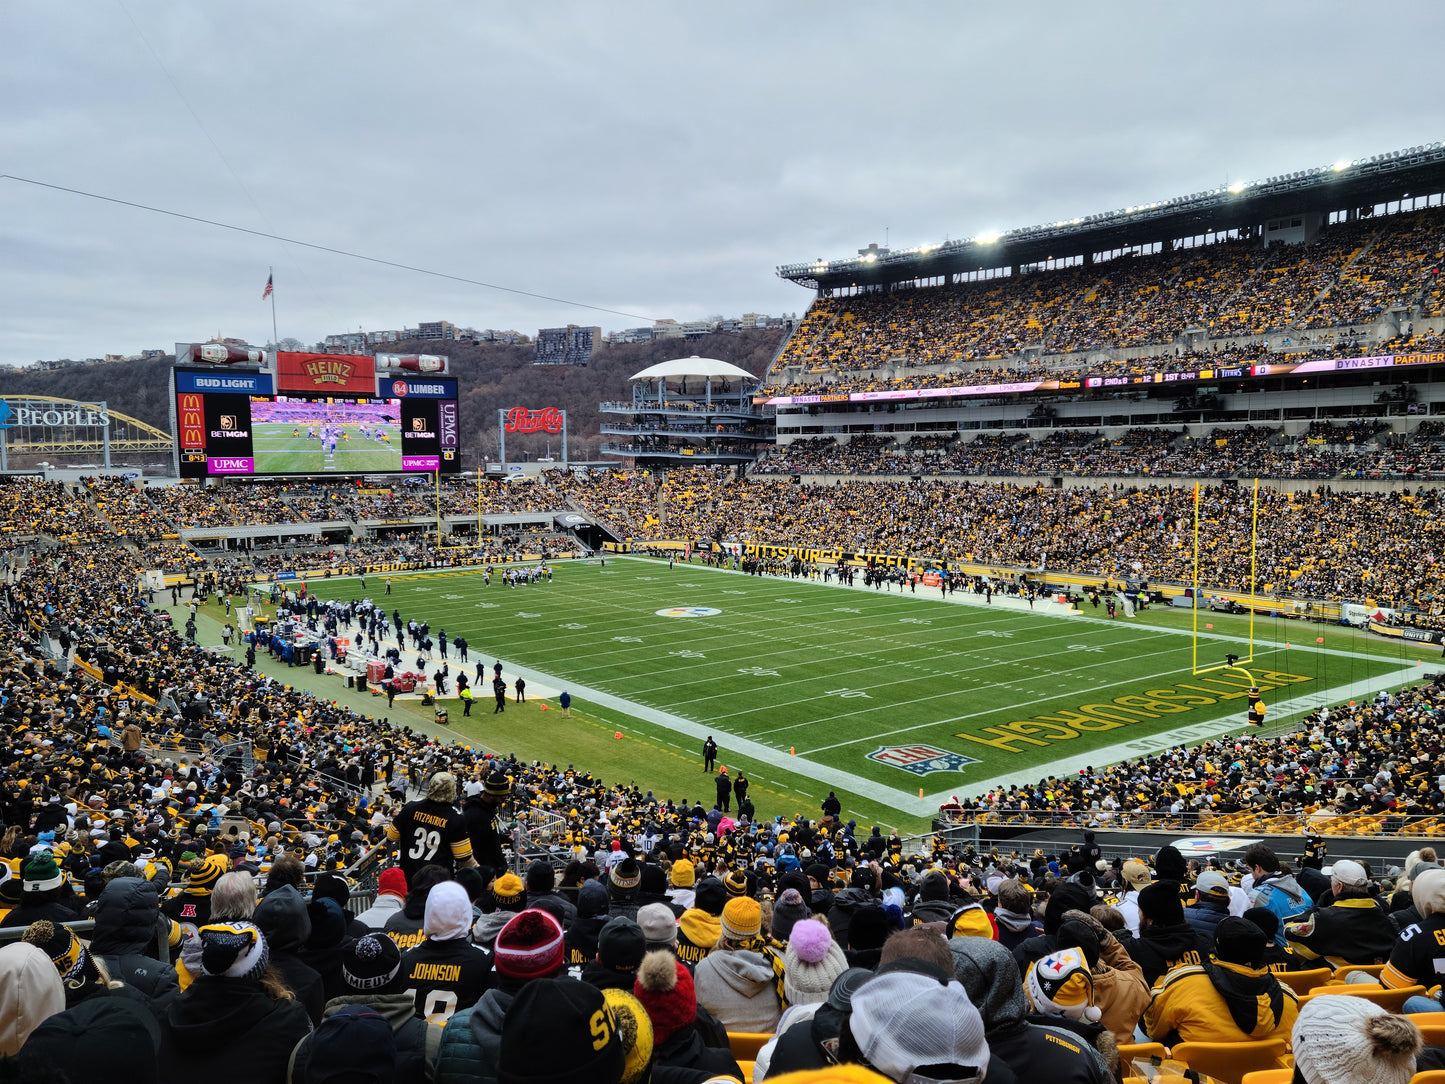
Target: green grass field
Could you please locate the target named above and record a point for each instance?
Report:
(877, 695)
(276, 449)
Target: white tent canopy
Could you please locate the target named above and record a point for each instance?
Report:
(693, 366)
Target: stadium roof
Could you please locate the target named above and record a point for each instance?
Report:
(693, 366)
(1345, 184)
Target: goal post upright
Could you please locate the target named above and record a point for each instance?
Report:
(1253, 587)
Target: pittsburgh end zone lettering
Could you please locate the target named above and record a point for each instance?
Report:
(1068, 723)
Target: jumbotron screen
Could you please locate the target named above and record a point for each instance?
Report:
(236, 422)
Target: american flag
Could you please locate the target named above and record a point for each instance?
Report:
(269, 287)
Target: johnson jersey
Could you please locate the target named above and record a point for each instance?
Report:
(429, 832)
(445, 977)
(1418, 955)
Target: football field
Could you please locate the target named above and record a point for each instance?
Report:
(278, 447)
(877, 694)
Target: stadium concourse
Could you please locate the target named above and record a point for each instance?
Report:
(156, 789)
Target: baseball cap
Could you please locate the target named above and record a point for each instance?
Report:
(1212, 883)
(913, 1028)
(1136, 873)
(1348, 872)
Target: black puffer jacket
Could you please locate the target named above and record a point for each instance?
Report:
(845, 905)
(283, 919)
(127, 922)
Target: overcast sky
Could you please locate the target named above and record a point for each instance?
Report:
(656, 159)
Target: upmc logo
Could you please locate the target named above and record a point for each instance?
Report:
(522, 420)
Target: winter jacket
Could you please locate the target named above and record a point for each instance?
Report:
(1120, 991)
(472, 1041)
(1221, 1002)
(568, 906)
(1282, 894)
(375, 916)
(684, 1049)
(126, 926)
(1015, 929)
(405, 925)
(845, 904)
(231, 1030)
(1159, 949)
(581, 938)
(990, 976)
(932, 911)
(1206, 915)
(1351, 930)
(738, 987)
(681, 899)
(283, 919)
(417, 1042)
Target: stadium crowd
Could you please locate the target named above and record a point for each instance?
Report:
(213, 823)
(1347, 276)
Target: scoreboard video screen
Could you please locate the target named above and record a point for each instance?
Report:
(316, 414)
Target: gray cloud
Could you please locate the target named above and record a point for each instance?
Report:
(651, 157)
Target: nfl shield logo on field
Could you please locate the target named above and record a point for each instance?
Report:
(921, 759)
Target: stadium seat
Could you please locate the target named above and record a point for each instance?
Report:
(1342, 973)
(1428, 1019)
(1129, 1051)
(747, 1068)
(1269, 1076)
(1302, 982)
(1389, 1000)
(1230, 1062)
(746, 1044)
(1432, 1076)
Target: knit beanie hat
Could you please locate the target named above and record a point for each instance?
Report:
(529, 947)
(622, 882)
(1428, 892)
(1349, 1040)
(448, 914)
(1239, 941)
(684, 874)
(788, 911)
(66, 952)
(811, 963)
(742, 919)
(205, 872)
(392, 882)
(635, 1027)
(235, 950)
(1169, 861)
(869, 928)
(659, 925)
(507, 892)
(370, 963)
(934, 885)
(736, 883)
(559, 1031)
(710, 895)
(442, 788)
(40, 873)
(653, 880)
(1160, 903)
(1265, 919)
(664, 986)
(1060, 985)
(541, 877)
(621, 946)
(497, 784)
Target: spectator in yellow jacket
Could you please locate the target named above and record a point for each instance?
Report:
(1231, 997)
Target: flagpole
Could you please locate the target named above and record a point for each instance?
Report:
(271, 278)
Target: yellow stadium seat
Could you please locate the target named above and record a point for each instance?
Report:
(1269, 1076)
(1129, 1051)
(1389, 1000)
(746, 1044)
(747, 1068)
(1432, 1076)
(1302, 982)
(1230, 1062)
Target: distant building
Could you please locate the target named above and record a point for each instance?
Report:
(350, 342)
(570, 345)
(436, 329)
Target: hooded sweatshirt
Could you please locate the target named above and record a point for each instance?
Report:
(592, 915)
(739, 988)
(1281, 893)
(377, 914)
(846, 904)
(283, 919)
(990, 976)
(30, 993)
(1159, 949)
(126, 922)
(697, 934)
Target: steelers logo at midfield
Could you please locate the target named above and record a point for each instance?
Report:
(688, 611)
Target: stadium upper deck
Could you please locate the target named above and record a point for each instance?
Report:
(1335, 261)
